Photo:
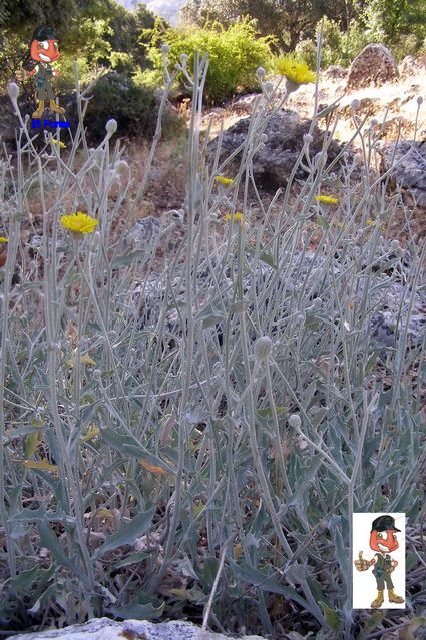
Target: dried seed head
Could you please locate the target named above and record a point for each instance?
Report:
(262, 348)
(268, 86)
(308, 138)
(355, 104)
(165, 49)
(260, 72)
(419, 100)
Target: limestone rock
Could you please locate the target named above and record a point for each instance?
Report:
(410, 65)
(407, 161)
(274, 162)
(105, 629)
(374, 65)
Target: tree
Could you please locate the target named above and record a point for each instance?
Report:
(126, 29)
(396, 18)
(288, 20)
(89, 31)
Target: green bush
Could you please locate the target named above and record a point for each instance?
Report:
(234, 55)
(339, 47)
(117, 96)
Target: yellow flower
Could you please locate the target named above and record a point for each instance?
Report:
(224, 180)
(327, 199)
(61, 144)
(79, 222)
(371, 223)
(3, 239)
(234, 217)
(297, 72)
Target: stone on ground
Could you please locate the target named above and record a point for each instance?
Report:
(374, 65)
(105, 629)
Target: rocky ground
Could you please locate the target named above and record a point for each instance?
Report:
(394, 105)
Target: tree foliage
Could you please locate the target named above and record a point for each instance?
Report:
(293, 21)
(94, 33)
(288, 20)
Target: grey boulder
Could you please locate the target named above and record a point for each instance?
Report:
(406, 161)
(105, 629)
(275, 158)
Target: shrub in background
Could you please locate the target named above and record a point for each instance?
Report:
(339, 47)
(131, 104)
(234, 55)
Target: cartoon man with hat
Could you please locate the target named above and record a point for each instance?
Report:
(43, 51)
(382, 539)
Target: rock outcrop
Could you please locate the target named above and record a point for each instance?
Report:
(410, 66)
(105, 629)
(374, 65)
(406, 161)
(275, 159)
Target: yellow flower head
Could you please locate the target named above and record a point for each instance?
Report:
(79, 222)
(327, 199)
(3, 239)
(234, 217)
(61, 144)
(224, 180)
(371, 223)
(297, 72)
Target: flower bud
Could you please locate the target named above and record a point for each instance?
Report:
(268, 86)
(294, 421)
(111, 126)
(121, 168)
(262, 348)
(419, 100)
(355, 104)
(13, 91)
(165, 48)
(264, 137)
(260, 72)
(183, 58)
(308, 138)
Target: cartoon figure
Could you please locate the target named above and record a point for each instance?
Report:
(382, 539)
(43, 50)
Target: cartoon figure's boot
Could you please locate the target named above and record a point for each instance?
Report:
(394, 598)
(40, 110)
(378, 601)
(54, 107)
